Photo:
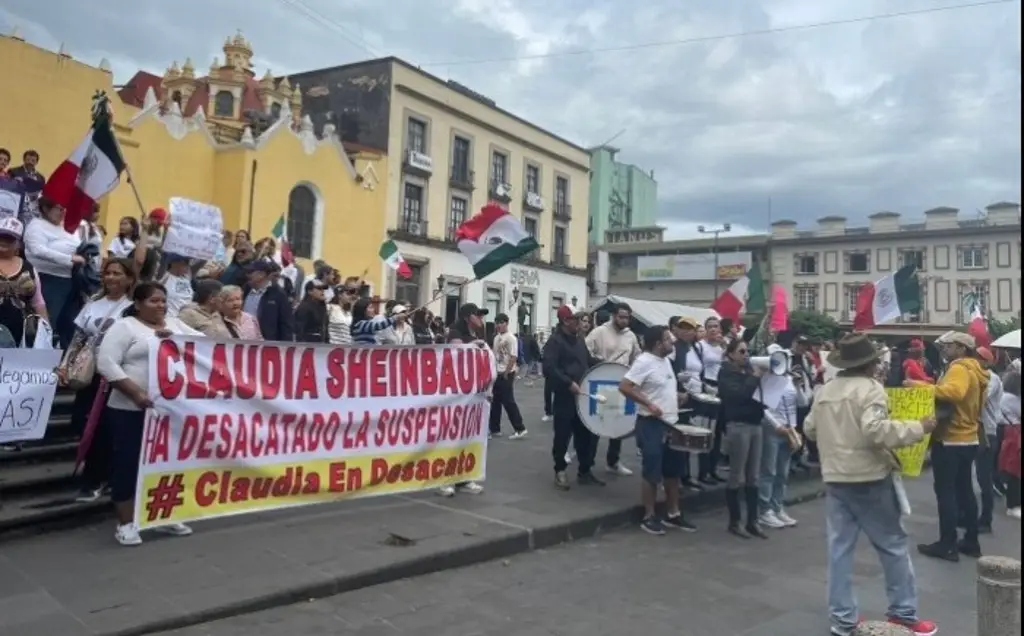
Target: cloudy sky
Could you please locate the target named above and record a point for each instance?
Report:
(898, 113)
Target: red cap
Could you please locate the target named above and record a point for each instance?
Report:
(565, 312)
(158, 215)
(986, 355)
(917, 343)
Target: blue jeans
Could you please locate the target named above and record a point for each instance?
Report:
(775, 460)
(872, 508)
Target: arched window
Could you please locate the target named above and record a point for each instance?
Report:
(275, 111)
(224, 104)
(301, 220)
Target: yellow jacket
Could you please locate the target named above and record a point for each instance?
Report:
(964, 387)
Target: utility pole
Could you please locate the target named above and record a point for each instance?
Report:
(715, 231)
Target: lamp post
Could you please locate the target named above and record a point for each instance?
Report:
(715, 231)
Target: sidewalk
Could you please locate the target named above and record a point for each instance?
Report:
(81, 583)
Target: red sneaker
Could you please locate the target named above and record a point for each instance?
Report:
(919, 627)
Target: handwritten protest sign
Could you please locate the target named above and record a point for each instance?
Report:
(28, 385)
(241, 427)
(11, 195)
(196, 229)
(913, 404)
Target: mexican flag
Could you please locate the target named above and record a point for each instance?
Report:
(977, 325)
(492, 239)
(393, 258)
(887, 299)
(280, 234)
(93, 169)
(744, 296)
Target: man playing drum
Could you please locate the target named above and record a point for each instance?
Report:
(651, 384)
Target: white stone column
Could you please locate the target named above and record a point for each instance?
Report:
(998, 596)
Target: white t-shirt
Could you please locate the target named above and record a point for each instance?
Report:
(179, 293)
(121, 247)
(712, 356)
(1010, 407)
(653, 376)
(124, 354)
(98, 315)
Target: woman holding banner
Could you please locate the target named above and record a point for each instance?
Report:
(123, 360)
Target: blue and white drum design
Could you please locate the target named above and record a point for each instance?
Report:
(602, 409)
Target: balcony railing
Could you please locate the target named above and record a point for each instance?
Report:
(500, 190)
(563, 212)
(449, 234)
(462, 178)
(412, 226)
(560, 258)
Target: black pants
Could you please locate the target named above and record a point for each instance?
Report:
(985, 469)
(98, 458)
(567, 425)
(504, 397)
(548, 398)
(614, 451)
(998, 478)
(954, 490)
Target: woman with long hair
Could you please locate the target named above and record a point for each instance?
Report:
(52, 250)
(123, 360)
(339, 316)
(92, 322)
(21, 298)
(366, 324)
(738, 384)
(128, 235)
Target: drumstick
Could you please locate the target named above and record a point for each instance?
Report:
(600, 399)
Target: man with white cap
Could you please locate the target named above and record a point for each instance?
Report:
(399, 334)
(959, 399)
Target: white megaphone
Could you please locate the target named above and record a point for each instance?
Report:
(776, 363)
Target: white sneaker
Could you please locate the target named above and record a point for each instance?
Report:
(518, 434)
(619, 469)
(174, 530)
(446, 491)
(568, 458)
(1014, 513)
(771, 520)
(786, 520)
(546, 418)
(127, 534)
(89, 496)
(471, 488)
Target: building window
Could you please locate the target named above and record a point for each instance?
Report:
(224, 104)
(528, 301)
(499, 167)
(460, 160)
(492, 301)
(456, 216)
(556, 304)
(412, 209)
(972, 257)
(852, 292)
(807, 264)
(275, 111)
(417, 136)
(301, 220)
(857, 263)
(912, 257)
(807, 298)
(533, 179)
(176, 98)
(407, 290)
(558, 254)
(561, 196)
(530, 225)
(971, 296)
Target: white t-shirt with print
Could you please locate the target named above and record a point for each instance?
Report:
(121, 247)
(97, 316)
(179, 293)
(653, 376)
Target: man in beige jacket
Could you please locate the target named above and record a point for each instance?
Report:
(850, 422)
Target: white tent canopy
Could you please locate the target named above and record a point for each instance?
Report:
(656, 312)
(1008, 341)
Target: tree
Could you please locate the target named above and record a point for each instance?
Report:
(1002, 327)
(812, 324)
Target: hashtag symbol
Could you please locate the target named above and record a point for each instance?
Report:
(165, 497)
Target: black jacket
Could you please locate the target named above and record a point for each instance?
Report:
(737, 389)
(277, 322)
(566, 360)
(311, 321)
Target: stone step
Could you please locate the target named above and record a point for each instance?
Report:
(52, 511)
(35, 478)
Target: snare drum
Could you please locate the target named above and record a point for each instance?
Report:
(689, 439)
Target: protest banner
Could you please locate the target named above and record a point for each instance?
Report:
(196, 229)
(11, 196)
(28, 384)
(912, 403)
(240, 427)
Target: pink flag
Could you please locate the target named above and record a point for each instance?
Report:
(780, 310)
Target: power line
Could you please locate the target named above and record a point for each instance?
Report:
(726, 36)
(320, 19)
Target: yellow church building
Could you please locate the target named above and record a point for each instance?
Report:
(226, 138)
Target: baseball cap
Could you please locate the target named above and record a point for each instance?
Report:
(316, 283)
(687, 321)
(956, 337)
(262, 265)
(470, 309)
(565, 312)
(985, 354)
(399, 309)
(501, 318)
(10, 226)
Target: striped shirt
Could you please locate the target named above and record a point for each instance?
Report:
(339, 325)
(365, 332)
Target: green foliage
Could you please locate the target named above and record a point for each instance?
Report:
(1002, 327)
(813, 324)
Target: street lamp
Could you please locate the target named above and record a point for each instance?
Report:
(441, 280)
(715, 231)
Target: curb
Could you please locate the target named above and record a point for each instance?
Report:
(804, 488)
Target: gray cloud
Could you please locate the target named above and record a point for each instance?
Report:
(901, 114)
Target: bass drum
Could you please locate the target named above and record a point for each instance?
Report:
(602, 409)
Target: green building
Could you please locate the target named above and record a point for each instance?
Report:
(621, 194)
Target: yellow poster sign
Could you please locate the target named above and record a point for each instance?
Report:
(913, 404)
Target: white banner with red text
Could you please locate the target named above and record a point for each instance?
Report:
(240, 427)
